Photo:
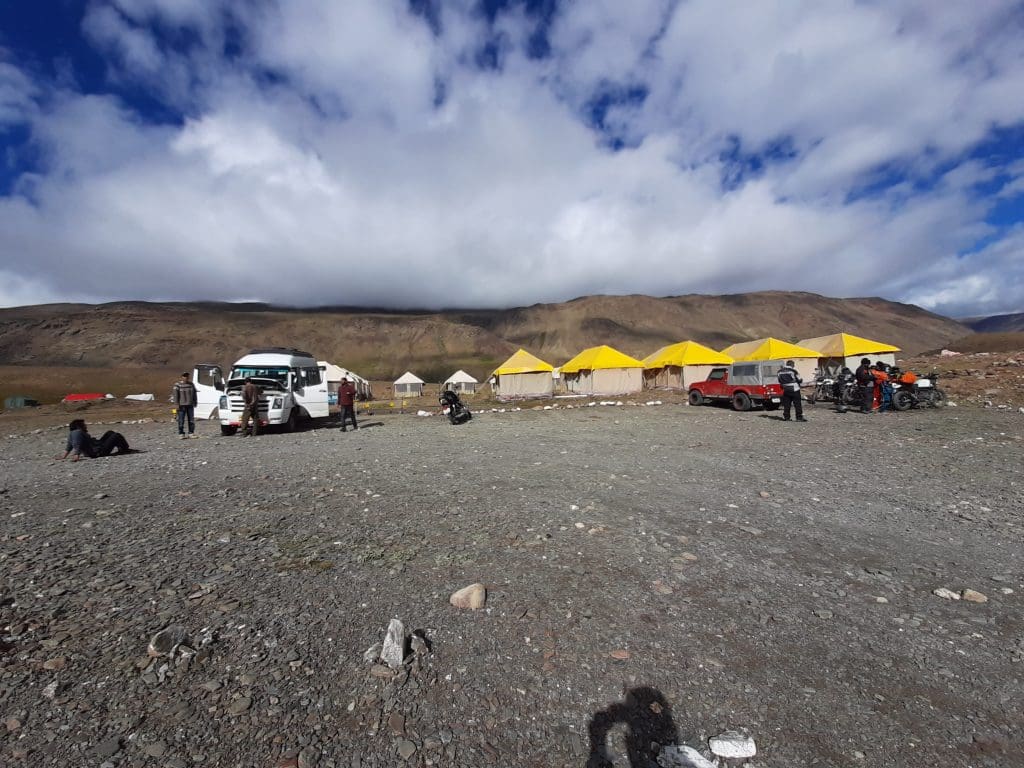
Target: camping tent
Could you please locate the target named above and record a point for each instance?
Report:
(19, 401)
(408, 385)
(522, 376)
(679, 365)
(460, 381)
(844, 350)
(333, 374)
(602, 371)
(804, 360)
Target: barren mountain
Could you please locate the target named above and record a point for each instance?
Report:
(382, 344)
(997, 323)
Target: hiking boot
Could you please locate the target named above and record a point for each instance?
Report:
(183, 437)
(800, 418)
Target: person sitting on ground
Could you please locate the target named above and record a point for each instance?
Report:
(81, 443)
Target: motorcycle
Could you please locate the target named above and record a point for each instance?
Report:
(453, 407)
(910, 391)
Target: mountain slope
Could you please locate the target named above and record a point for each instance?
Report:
(997, 323)
(383, 344)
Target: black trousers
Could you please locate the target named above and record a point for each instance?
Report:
(867, 394)
(348, 412)
(789, 400)
(110, 442)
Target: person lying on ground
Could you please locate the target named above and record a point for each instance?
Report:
(80, 443)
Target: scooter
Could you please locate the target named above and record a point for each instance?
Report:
(453, 408)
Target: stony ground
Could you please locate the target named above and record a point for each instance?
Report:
(655, 575)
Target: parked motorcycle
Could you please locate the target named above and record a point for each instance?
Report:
(453, 407)
(910, 391)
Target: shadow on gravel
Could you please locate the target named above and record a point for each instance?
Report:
(648, 719)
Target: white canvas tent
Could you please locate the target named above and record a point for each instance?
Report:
(333, 374)
(522, 376)
(602, 371)
(460, 381)
(408, 385)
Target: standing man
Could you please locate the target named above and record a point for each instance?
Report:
(790, 381)
(347, 402)
(866, 382)
(251, 399)
(184, 399)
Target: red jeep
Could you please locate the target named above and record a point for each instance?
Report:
(743, 384)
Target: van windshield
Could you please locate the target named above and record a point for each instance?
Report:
(277, 373)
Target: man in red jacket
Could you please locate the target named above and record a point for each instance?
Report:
(347, 402)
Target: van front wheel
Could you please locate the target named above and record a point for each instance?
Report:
(227, 431)
(293, 420)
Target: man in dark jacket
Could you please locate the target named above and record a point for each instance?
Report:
(347, 402)
(184, 398)
(790, 382)
(251, 399)
(866, 381)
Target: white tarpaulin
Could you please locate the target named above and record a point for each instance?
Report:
(146, 397)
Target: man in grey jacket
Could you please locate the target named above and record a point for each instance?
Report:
(184, 398)
(790, 381)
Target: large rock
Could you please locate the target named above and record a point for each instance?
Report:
(167, 639)
(733, 744)
(393, 651)
(674, 756)
(472, 597)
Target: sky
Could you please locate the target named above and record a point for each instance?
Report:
(495, 153)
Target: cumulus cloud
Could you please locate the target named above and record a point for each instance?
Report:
(363, 153)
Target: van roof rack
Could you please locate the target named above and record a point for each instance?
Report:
(279, 351)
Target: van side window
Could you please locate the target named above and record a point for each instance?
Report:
(312, 376)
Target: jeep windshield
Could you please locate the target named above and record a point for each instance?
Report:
(270, 377)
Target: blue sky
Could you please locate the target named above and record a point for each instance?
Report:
(362, 152)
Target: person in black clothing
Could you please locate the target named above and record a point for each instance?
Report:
(81, 443)
(866, 382)
(790, 381)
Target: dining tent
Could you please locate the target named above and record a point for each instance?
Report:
(602, 371)
(522, 376)
(408, 385)
(804, 360)
(460, 381)
(841, 350)
(679, 365)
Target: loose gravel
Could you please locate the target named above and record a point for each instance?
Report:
(655, 575)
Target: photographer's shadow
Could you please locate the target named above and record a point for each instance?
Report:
(648, 719)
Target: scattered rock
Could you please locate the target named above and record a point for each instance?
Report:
(396, 722)
(382, 671)
(821, 613)
(51, 690)
(764, 494)
(662, 588)
(972, 596)
(240, 705)
(674, 756)
(156, 749)
(419, 645)
(13, 724)
(392, 651)
(621, 654)
(406, 749)
(107, 748)
(166, 640)
(472, 597)
(733, 744)
(58, 662)
(372, 653)
(946, 594)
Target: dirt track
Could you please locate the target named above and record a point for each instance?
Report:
(739, 561)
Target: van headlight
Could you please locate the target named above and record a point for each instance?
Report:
(278, 403)
(223, 401)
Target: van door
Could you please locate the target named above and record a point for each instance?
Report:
(311, 391)
(209, 381)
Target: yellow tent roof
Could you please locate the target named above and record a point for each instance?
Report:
(845, 345)
(597, 358)
(522, 362)
(685, 353)
(767, 349)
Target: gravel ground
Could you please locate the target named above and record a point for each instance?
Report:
(655, 575)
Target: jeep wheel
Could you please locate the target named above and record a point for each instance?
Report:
(228, 431)
(741, 401)
(696, 398)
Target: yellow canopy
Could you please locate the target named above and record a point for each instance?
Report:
(685, 353)
(522, 362)
(598, 358)
(846, 345)
(767, 349)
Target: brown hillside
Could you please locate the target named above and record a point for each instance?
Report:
(381, 344)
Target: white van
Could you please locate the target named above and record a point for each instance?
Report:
(290, 382)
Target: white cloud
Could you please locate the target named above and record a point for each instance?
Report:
(342, 182)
